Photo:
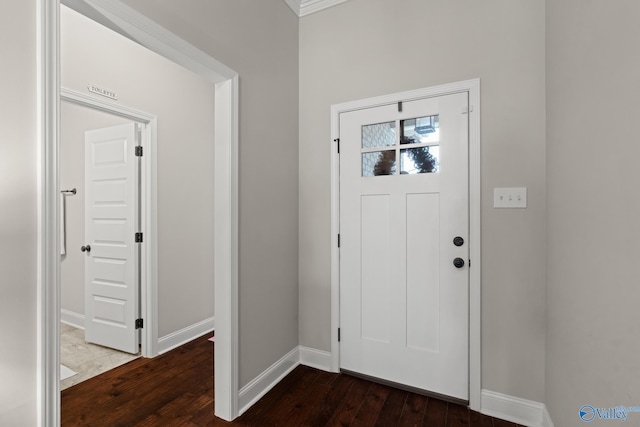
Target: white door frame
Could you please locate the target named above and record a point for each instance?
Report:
(142, 30)
(472, 87)
(149, 208)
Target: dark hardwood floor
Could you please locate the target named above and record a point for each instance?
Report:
(176, 389)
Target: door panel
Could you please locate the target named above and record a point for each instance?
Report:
(111, 266)
(403, 198)
(376, 236)
(423, 271)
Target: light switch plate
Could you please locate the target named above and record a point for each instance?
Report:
(510, 197)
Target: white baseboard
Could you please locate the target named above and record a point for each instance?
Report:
(514, 409)
(72, 318)
(315, 358)
(183, 336)
(525, 412)
(259, 386)
(166, 343)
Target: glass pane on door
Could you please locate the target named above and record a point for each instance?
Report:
(421, 130)
(419, 160)
(378, 163)
(379, 135)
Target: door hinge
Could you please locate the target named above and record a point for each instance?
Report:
(138, 150)
(400, 107)
(139, 323)
(138, 237)
(338, 240)
(469, 263)
(337, 141)
(338, 334)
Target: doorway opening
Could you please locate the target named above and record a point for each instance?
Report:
(87, 350)
(136, 27)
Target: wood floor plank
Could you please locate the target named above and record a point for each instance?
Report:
(180, 410)
(348, 408)
(263, 406)
(176, 390)
(371, 407)
(153, 395)
(413, 411)
(113, 398)
(309, 401)
(326, 408)
(436, 414)
(457, 415)
(476, 419)
(205, 417)
(502, 423)
(292, 398)
(392, 408)
(326, 378)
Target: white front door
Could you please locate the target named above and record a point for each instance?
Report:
(404, 221)
(111, 223)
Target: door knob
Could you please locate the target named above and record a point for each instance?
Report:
(86, 248)
(458, 262)
(458, 241)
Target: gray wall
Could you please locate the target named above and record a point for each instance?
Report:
(593, 70)
(365, 48)
(18, 223)
(184, 104)
(259, 39)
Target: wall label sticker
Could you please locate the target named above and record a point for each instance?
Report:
(103, 92)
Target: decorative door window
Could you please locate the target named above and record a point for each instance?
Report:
(416, 146)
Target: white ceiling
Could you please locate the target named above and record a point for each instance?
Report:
(306, 7)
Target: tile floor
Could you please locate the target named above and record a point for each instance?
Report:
(88, 360)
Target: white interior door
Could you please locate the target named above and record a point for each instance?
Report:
(111, 222)
(404, 198)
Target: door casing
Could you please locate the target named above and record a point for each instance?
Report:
(472, 87)
(148, 208)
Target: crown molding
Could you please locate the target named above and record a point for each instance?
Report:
(307, 7)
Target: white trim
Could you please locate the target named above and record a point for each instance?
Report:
(311, 6)
(515, 409)
(184, 335)
(315, 358)
(226, 250)
(295, 6)
(473, 88)
(149, 251)
(307, 7)
(165, 343)
(105, 105)
(48, 272)
(264, 382)
(475, 253)
(149, 191)
(144, 31)
(72, 318)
